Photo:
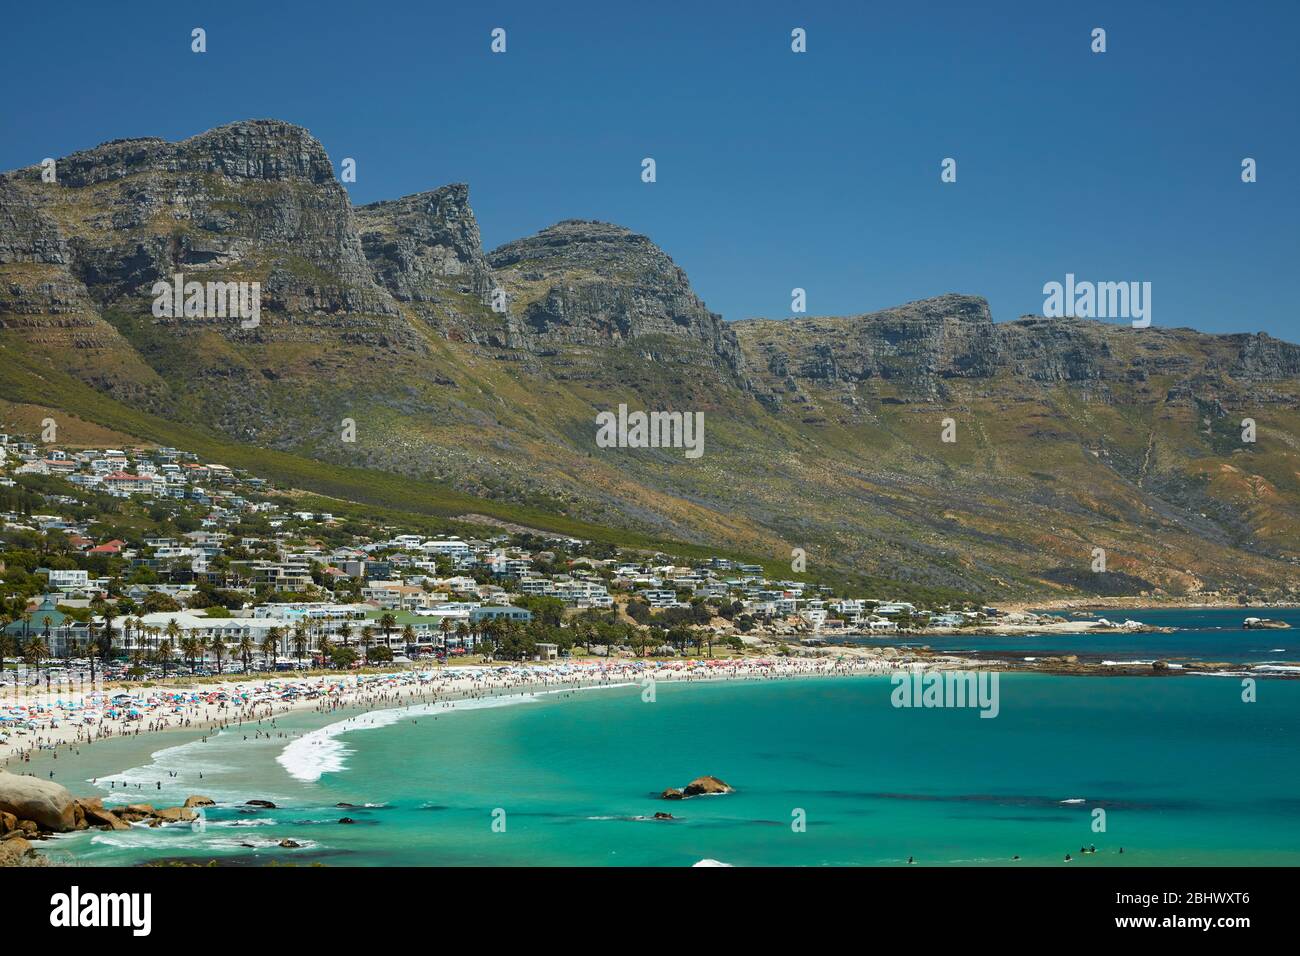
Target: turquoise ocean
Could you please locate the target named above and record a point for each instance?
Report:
(827, 772)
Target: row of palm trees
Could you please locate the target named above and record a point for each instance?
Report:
(162, 646)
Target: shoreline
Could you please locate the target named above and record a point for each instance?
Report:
(1137, 603)
(252, 702)
(381, 692)
(65, 721)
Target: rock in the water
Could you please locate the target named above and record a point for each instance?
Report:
(290, 844)
(197, 801)
(346, 820)
(702, 785)
(175, 815)
(96, 815)
(664, 816)
(264, 804)
(672, 793)
(47, 803)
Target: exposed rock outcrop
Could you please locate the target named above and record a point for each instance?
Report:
(16, 852)
(1072, 432)
(588, 283)
(698, 787)
(703, 785)
(46, 803)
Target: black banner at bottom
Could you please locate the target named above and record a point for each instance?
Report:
(214, 905)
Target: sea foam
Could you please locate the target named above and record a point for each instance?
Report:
(321, 751)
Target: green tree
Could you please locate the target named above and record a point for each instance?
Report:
(386, 623)
(270, 647)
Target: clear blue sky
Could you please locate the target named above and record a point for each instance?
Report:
(775, 170)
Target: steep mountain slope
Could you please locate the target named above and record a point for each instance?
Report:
(823, 433)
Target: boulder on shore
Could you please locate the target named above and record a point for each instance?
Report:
(13, 852)
(197, 801)
(44, 802)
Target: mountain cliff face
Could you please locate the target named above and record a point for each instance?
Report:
(821, 433)
(923, 345)
(595, 284)
(426, 250)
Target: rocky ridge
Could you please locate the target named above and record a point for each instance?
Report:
(821, 431)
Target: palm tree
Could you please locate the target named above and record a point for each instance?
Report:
(106, 641)
(173, 632)
(300, 640)
(408, 635)
(191, 647)
(163, 654)
(270, 644)
(323, 647)
(246, 651)
(489, 632)
(35, 652)
(386, 623)
(367, 638)
(445, 625)
(45, 634)
(274, 637)
(91, 648)
(301, 637)
(345, 632)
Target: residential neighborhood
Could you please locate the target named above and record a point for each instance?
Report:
(154, 557)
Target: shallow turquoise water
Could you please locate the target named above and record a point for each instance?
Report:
(1186, 772)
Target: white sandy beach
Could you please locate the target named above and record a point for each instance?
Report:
(67, 720)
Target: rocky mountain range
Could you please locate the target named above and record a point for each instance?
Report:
(483, 371)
